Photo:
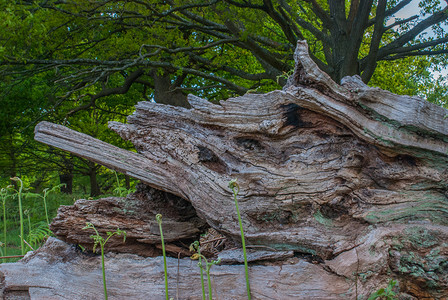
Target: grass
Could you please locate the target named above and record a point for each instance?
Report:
(41, 208)
(44, 198)
(4, 196)
(195, 247)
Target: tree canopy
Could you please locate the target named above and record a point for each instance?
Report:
(85, 62)
(172, 46)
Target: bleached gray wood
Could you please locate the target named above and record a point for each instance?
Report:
(58, 271)
(115, 158)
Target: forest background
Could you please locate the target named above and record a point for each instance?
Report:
(84, 63)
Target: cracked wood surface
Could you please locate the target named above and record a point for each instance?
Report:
(340, 172)
(74, 275)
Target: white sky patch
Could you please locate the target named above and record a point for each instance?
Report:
(410, 10)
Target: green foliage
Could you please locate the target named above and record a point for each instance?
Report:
(19, 197)
(99, 240)
(121, 191)
(46, 191)
(36, 229)
(385, 294)
(38, 234)
(4, 195)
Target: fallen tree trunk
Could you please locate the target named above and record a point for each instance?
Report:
(74, 275)
(353, 176)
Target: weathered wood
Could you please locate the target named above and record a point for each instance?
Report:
(58, 271)
(123, 161)
(352, 175)
(236, 256)
(135, 215)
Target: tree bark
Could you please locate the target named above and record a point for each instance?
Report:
(165, 92)
(127, 182)
(353, 176)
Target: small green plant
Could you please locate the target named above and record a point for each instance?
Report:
(285, 75)
(385, 294)
(27, 214)
(44, 197)
(119, 190)
(19, 195)
(196, 247)
(159, 221)
(99, 240)
(233, 185)
(39, 233)
(4, 195)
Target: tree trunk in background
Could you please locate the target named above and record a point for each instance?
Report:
(94, 187)
(166, 92)
(66, 177)
(67, 180)
(12, 172)
(127, 181)
(351, 179)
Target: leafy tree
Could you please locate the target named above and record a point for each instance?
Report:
(172, 46)
(84, 62)
(28, 101)
(23, 103)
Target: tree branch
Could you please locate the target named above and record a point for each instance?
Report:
(321, 14)
(249, 76)
(391, 11)
(400, 22)
(262, 53)
(420, 46)
(412, 33)
(285, 10)
(110, 91)
(375, 42)
(397, 7)
(354, 4)
(285, 24)
(337, 13)
(244, 5)
(188, 49)
(415, 53)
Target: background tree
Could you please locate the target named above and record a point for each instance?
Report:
(104, 56)
(166, 46)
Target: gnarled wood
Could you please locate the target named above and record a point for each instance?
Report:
(353, 175)
(135, 215)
